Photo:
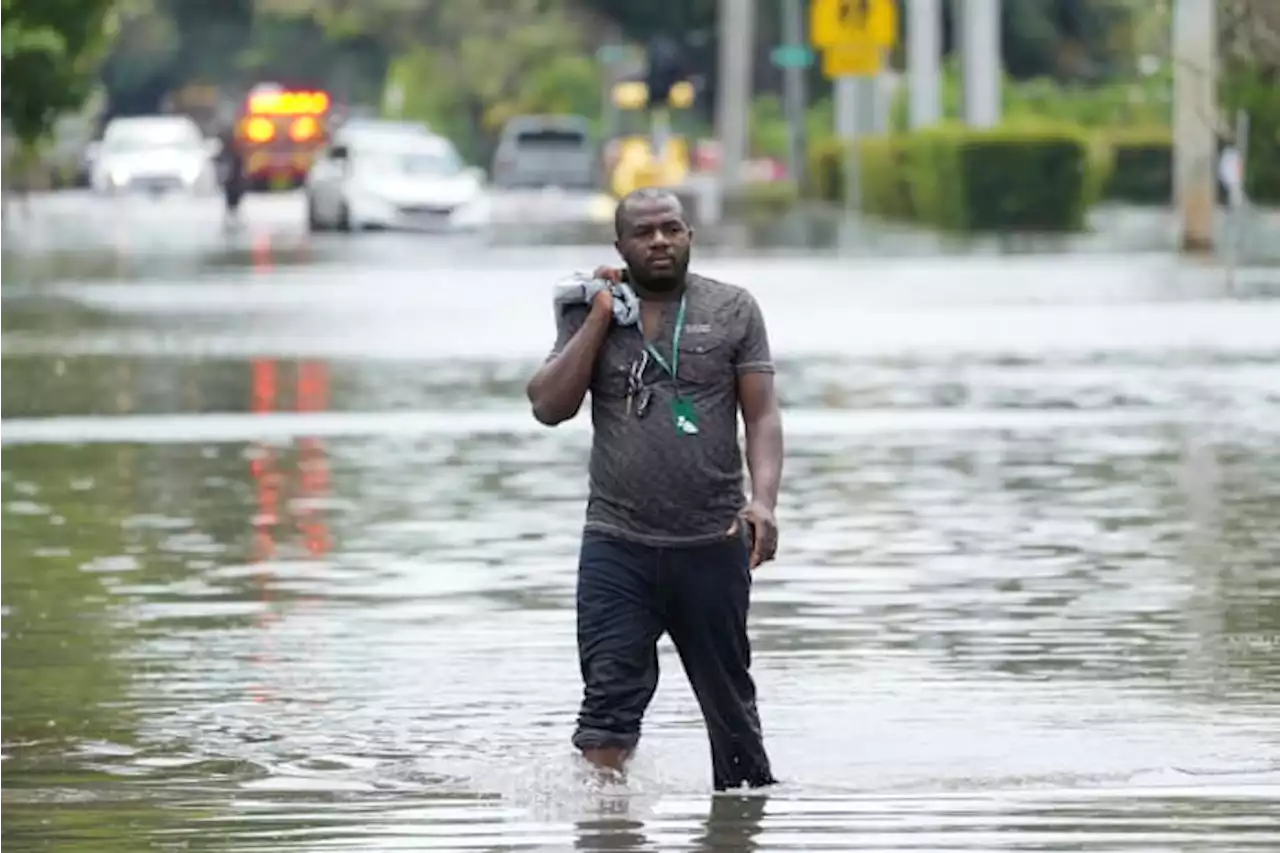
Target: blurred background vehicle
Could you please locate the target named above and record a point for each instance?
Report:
(390, 178)
(154, 154)
(66, 159)
(648, 146)
(362, 124)
(546, 150)
(280, 132)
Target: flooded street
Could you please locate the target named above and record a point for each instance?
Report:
(290, 567)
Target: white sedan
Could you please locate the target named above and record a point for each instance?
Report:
(153, 154)
(390, 180)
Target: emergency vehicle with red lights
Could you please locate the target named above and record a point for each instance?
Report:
(281, 131)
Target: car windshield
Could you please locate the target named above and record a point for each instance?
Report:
(139, 136)
(438, 162)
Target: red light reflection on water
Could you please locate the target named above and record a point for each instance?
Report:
(288, 482)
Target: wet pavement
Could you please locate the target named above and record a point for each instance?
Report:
(289, 566)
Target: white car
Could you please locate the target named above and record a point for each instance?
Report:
(394, 180)
(155, 154)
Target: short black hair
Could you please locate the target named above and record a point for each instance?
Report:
(644, 195)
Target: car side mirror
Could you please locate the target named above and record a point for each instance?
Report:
(477, 173)
(213, 146)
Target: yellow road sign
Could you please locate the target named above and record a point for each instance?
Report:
(853, 22)
(859, 60)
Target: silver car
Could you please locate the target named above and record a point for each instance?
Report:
(153, 154)
(546, 151)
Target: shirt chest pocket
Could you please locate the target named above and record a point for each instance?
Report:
(705, 360)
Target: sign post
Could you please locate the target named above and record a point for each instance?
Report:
(853, 36)
(1231, 167)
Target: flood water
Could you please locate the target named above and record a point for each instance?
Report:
(288, 566)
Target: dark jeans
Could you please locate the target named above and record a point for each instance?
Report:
(628, 596)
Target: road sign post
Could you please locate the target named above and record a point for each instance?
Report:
(853, 36)
(794, 57)
(851, 60)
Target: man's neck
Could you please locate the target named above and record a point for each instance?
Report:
(651, 295)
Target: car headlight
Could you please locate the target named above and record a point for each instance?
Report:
(118, 177)
(191, 174)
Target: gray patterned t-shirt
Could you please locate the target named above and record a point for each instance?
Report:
(648, 482)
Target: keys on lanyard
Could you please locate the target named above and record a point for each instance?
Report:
(637, 392)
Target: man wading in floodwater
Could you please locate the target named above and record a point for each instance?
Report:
(670, 541)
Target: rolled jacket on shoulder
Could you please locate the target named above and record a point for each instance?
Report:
(581, 289)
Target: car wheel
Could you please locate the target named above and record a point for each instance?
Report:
(344, 217)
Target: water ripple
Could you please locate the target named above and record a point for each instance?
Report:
(1024, 601)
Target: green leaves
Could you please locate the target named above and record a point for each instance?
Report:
(37, 40)
(50, 55)
(466, 68)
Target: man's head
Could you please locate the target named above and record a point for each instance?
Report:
(653, 238)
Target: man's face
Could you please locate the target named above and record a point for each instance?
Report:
(655, 243)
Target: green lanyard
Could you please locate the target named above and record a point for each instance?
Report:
(675, 345)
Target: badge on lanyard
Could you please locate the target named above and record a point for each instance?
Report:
(686, 419)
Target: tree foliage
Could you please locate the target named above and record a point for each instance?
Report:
(50, 55)
(468, 67)
(1249, 36)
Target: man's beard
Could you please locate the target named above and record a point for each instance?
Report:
(666, 282)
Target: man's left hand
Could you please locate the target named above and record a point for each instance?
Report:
(765, 529)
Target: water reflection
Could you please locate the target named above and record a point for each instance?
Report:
(310, 467)
(731, 823)
(1002, 610)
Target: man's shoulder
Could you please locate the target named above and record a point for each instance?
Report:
(720, 293)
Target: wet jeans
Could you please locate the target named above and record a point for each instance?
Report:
(628, 596)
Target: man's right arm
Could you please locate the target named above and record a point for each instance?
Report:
(557, 390)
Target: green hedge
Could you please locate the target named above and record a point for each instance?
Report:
(1139, 168)
(965, 179)
(764, 201)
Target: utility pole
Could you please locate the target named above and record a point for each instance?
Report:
(733, 90)
(849, 96)
(924, 61)
(1195, 113)
(795, 99)
(980, 58)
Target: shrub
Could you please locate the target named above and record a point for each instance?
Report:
(1022, 178)
(761, 201)
(1140, 167)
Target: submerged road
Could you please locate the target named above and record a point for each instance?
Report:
(289, 566)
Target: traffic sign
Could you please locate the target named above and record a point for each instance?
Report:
(853, 22)
(612, 53)
(791, 56)
(858, 60)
